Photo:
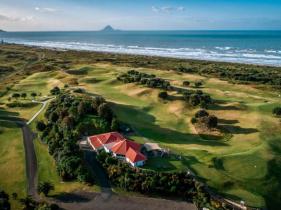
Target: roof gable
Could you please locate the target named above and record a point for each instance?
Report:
(135, 156)
(110, 137)
(122, 147)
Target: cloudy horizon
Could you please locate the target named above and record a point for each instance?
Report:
(60, 15)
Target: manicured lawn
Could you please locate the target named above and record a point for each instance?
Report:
(12, 162)
(164, 164)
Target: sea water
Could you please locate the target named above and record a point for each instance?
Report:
(254, 47)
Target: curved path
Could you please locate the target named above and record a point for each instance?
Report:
(40, 110)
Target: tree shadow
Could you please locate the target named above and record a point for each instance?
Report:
(174, 98)
(159, 164)
(225, 121)
(235, 129)
(146, 125)
(10, 119)
(216, 106)
(71, 197)
(4, 112)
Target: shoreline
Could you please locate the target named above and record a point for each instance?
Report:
(217, 61)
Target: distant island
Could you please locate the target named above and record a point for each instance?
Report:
(108, 28)
(2, 30)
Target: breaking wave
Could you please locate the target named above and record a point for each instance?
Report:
(227, 54)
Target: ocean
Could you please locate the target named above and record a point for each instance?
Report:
(252, 47)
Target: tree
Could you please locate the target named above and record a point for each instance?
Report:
(16, 95)
(97, 101)
(193, 120)
(198, 84)
(54, 117)
(45, 188)
(194, 99)
(81, 109)
(163, 95)
(40, 126)
(105, 111)
(23, 95)
(186, 83)
(33, 95)
(55, 91)
(201, 113)
(277, 111)
(211, 121)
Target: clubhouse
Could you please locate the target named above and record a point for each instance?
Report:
(119, 147)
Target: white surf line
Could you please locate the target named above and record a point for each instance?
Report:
(37, 113)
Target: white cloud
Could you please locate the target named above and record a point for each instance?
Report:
(15, 19)
(45, 9)
(167, 9)
(4, 18)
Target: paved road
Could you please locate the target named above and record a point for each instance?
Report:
(30, 160)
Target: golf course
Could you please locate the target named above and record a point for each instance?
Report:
(241, 162)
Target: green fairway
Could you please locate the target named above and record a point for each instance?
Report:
(12, 163)
(243, 165)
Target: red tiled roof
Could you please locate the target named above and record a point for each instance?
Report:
(98, 140)
(107, 138)
(95, 142)
(134, 156)
(122, 147)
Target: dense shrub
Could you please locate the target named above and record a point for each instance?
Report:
(193, 120)
(198, 84)
(201, 113)
(55, 91)
(163, 95)
(195, 98)
(4, 201)
(186, 83)
(40, 126)
(149, 80)
(69, 118)
(277, 111)
(211, 121)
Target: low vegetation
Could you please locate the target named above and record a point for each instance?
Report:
(150, 80)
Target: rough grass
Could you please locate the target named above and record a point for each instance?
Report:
(12, 163)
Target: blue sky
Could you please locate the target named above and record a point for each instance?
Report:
(39, 15)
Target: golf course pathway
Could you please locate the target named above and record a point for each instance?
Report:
(44, 104)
